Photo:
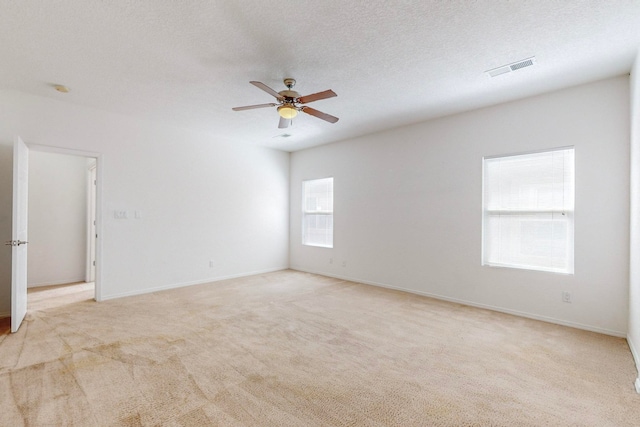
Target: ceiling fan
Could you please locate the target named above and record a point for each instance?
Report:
(289, 103)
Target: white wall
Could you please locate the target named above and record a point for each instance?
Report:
(57, 219)
(408, 206)
(201, 199)
(633, 336)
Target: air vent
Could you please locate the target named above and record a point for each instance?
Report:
(521, 64)
(511, 67)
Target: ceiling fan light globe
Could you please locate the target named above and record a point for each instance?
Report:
(287, 111)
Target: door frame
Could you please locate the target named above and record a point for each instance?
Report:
(99, 173)
(92, 180)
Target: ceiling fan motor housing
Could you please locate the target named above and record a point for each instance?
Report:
(290, 94)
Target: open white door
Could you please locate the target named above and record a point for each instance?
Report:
(19, 233)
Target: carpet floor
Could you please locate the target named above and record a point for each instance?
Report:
(296, 349)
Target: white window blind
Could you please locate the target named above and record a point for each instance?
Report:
(317, 212)
(528, 211)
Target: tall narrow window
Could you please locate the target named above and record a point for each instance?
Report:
(317, 212)
(528, 206)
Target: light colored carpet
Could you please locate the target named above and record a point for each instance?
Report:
(296, 349)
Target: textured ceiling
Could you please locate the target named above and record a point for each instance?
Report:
(186, 63)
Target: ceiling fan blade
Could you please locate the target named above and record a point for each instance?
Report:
(251, 107)
(267, 89)
(320, 114)
(284, 123)
(316, 96)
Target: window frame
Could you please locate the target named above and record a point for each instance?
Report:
(568, 212)
(306, 213)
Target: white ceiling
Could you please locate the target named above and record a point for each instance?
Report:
(186, 63)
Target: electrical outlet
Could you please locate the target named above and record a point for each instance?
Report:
(566, 296)
(330, 260)
(211, 264)
(344, 263)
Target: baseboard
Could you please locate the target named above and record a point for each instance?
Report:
(634, 352)
(56, 282)
(184, 284)
(5, 314)
(553, 320)
(636, 358)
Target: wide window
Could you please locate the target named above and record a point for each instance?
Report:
(317, 212)
(528, 211)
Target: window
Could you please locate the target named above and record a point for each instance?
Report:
(528, 211)
(317, 212)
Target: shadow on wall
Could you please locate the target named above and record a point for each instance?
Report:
(6, 195)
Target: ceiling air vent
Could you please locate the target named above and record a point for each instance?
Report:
(511, 67)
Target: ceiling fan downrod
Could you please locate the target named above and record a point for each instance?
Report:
(289, 82)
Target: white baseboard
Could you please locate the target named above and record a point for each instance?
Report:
(56, 282)
(634, 352)
(183, 284)
(590, 328)
(636, 358)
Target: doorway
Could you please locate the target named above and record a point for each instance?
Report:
(19, 225)
(62, 227)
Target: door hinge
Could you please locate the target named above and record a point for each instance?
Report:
(94, 263)
(15, 242)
